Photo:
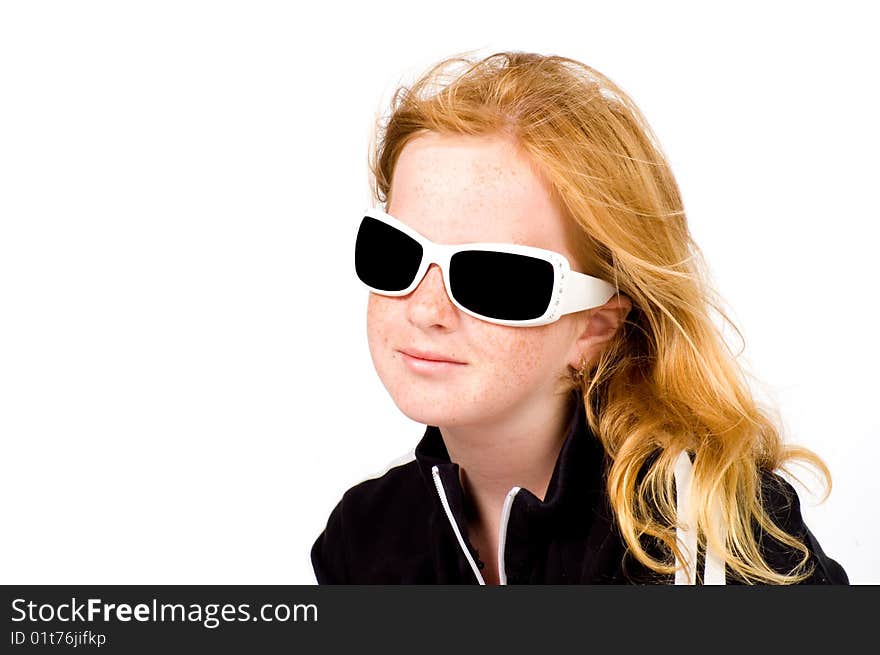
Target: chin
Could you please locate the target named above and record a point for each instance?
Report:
(429, 407)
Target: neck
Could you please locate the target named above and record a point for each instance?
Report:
(517, 449)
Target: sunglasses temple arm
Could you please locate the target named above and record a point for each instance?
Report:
(584, 292)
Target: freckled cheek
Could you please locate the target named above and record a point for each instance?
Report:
(518, 352)
(381, 324)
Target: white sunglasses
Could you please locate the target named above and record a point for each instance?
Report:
(503, 283)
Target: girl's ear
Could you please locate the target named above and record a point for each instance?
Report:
(602, 324)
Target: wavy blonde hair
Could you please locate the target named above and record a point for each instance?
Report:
(668, 381)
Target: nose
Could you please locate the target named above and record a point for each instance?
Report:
(429, 304)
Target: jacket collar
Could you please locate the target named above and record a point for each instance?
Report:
(574, 486)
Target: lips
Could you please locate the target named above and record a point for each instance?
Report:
(430, 355)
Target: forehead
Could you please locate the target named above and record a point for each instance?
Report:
(460, 189)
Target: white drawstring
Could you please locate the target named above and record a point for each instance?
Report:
(687, 535)
(715, 573)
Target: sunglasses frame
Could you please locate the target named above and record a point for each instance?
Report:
(572, 291)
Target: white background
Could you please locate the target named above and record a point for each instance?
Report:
(185, 384)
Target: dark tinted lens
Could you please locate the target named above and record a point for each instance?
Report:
(501, 285)
(384, 257)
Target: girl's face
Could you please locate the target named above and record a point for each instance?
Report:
(459, 189)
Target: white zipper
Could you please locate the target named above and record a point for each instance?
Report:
(502, 531)
(502, 534)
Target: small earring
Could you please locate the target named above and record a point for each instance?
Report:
(581, 373)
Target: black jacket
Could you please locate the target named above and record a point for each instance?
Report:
(408, 527)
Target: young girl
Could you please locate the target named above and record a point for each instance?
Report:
(538, 303)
